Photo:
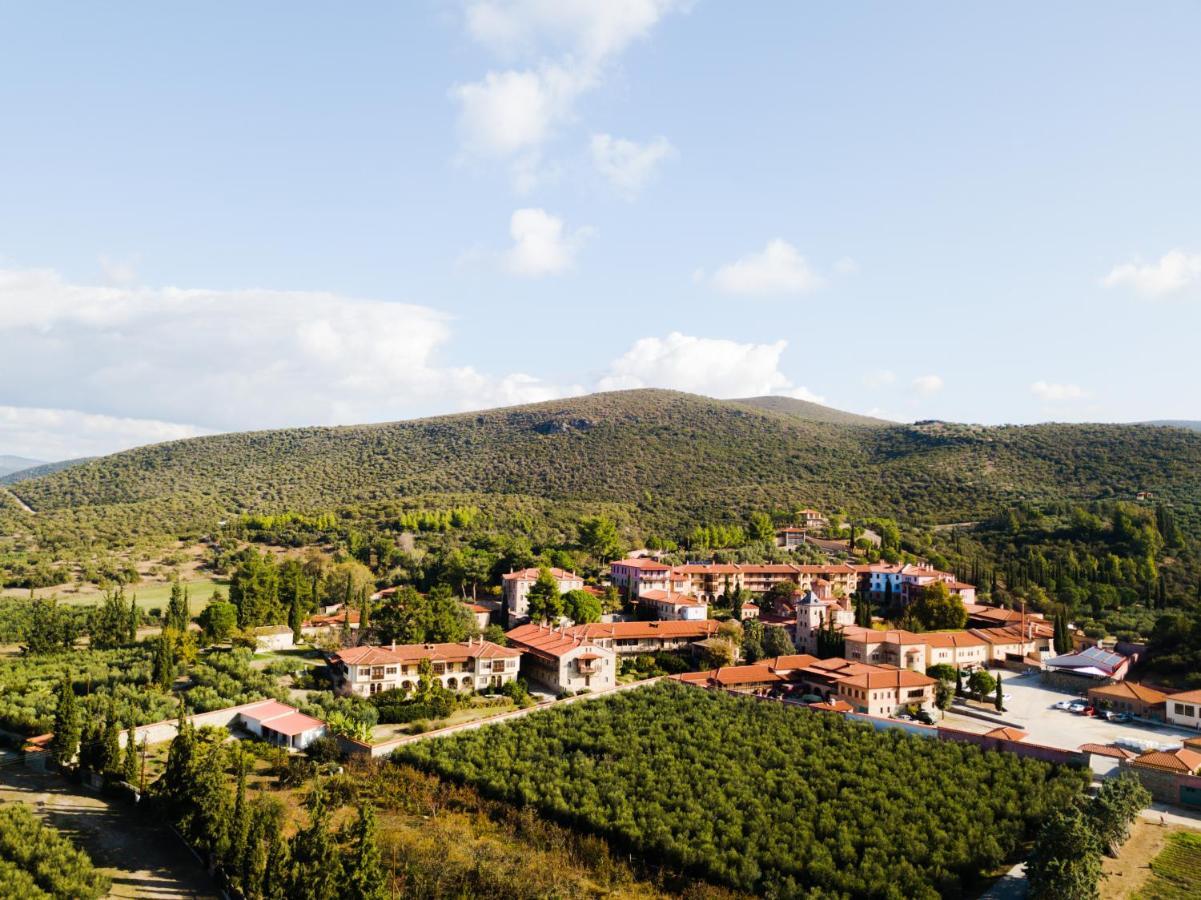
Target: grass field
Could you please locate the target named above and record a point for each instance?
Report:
(1176, 871)
(149, 594)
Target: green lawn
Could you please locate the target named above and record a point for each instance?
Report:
(1176, 871)
(149, 595)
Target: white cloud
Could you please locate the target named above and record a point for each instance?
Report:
(118, 271)
(628, 165)
(224, 360)
(54, 434)
(570, 44)
(928, 384)
(1052, 392)
(710, 366)
(1175, 271)
(778, 269)
(878, 379)
(541, 244)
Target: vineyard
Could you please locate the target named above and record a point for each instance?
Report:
(1176, 871)
(763, 798)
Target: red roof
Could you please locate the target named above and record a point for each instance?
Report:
(1009, 734)
(641, 562)
(834, 705)
(293, 723)
(546, 642)
(407, 653)
(1184, 761)
(531, 574)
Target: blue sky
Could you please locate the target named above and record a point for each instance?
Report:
(230, 216)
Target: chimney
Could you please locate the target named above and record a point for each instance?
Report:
(394, 645)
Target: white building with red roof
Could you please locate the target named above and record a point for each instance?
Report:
(670, 605)
(280, 724)
(563, 660)
(470, 665)
(515, 588)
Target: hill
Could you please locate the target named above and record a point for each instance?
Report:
(810, 412)
(669, 459)
(10, 464)
(36, 469)
(1177, 423)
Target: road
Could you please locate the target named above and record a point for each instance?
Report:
(142, 859)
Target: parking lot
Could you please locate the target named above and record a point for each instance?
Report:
(1030, 707)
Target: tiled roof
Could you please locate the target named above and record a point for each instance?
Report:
(1186, 696)
(1183, 761)
(635, 630)
(1130, 690)
(834, 705)
(531, 574)
(546, 642)
(407, 653)
(660, 596)
(882, 678)
(1009, 734)
(1110, 750)
(954, 639)
(293, 723)
(641, 562)
(792, 661)
(732, 676)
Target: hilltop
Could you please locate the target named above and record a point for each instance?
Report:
(669, 458)
(810, 412)
(10, 464)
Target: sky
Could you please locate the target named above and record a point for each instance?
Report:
(232, 216)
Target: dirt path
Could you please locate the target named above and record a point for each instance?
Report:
(21, 503)
(141, 859)
(1132, 868)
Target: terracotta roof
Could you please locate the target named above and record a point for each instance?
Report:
(882, 678)
(320, 621)
(660, 596)
(892, 636)
(1110, 750)
(546, 642)
(792, 661)
(1186, 696)
(531, 574)
(1183, 761)
(1129, 690)
(954, 639)
(631, 630)
(641, 562)
(407, 653)
(834, 705)
(1009, 734)
(730, 676)
(268, 709)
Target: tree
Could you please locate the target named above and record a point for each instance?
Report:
(163, 668)
(545, 602)
(937, 608)
(317, 864)
(129, 759)
(67, 729)
(1116, 806)
(761, 527)
(109, 623)
(345, 582)
(46, 633)
(753, 648)
(1066, 860)
(718, 652)
(581, 607)
(1062, 639)
(296, 619)
(178, 614)
(496, 635)
(999, 700)
(365, 878)
(599, 537)
(776, 642)
(958, 682)
(109, 762)
(980, 683)
(254, 590)
(218, 621)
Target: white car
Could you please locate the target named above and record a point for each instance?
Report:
(1062, 704)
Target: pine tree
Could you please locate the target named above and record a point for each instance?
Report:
(177, 609)
(296, 618)
(67, 728)
(958, 682)
(129, 762)
(999, 700)
(239, 828)
(276, 880)
(135, 617)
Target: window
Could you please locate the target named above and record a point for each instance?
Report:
(439, 668)
(377, 673)
(1183, 709)
(391, 670)
(498, 665)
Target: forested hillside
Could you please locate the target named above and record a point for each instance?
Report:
(668, 458)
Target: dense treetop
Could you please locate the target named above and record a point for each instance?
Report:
(669, 458)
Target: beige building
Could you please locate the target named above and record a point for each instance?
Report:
(669, 605)
(634, 638)
(710, 580)
(815, 610)
(515, 587)
(471, 665)
(558, 659)
(886, 692)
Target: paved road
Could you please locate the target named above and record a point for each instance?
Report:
(21, 503)
(142, 859)
(1010, 886)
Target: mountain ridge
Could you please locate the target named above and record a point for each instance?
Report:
(668, 458)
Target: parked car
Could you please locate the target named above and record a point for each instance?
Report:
(904, 717)
(1087, 711)
(1121, 718)
(924, 717)
(1062, 704)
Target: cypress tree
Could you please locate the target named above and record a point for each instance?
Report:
(131, 628)
(239, 828)
(67, 728)
(365, 880)
(998, 702)
(295, 617)
(164, 662)
(129, 762)
(109, 761)
(317, 864)
(958, 682)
